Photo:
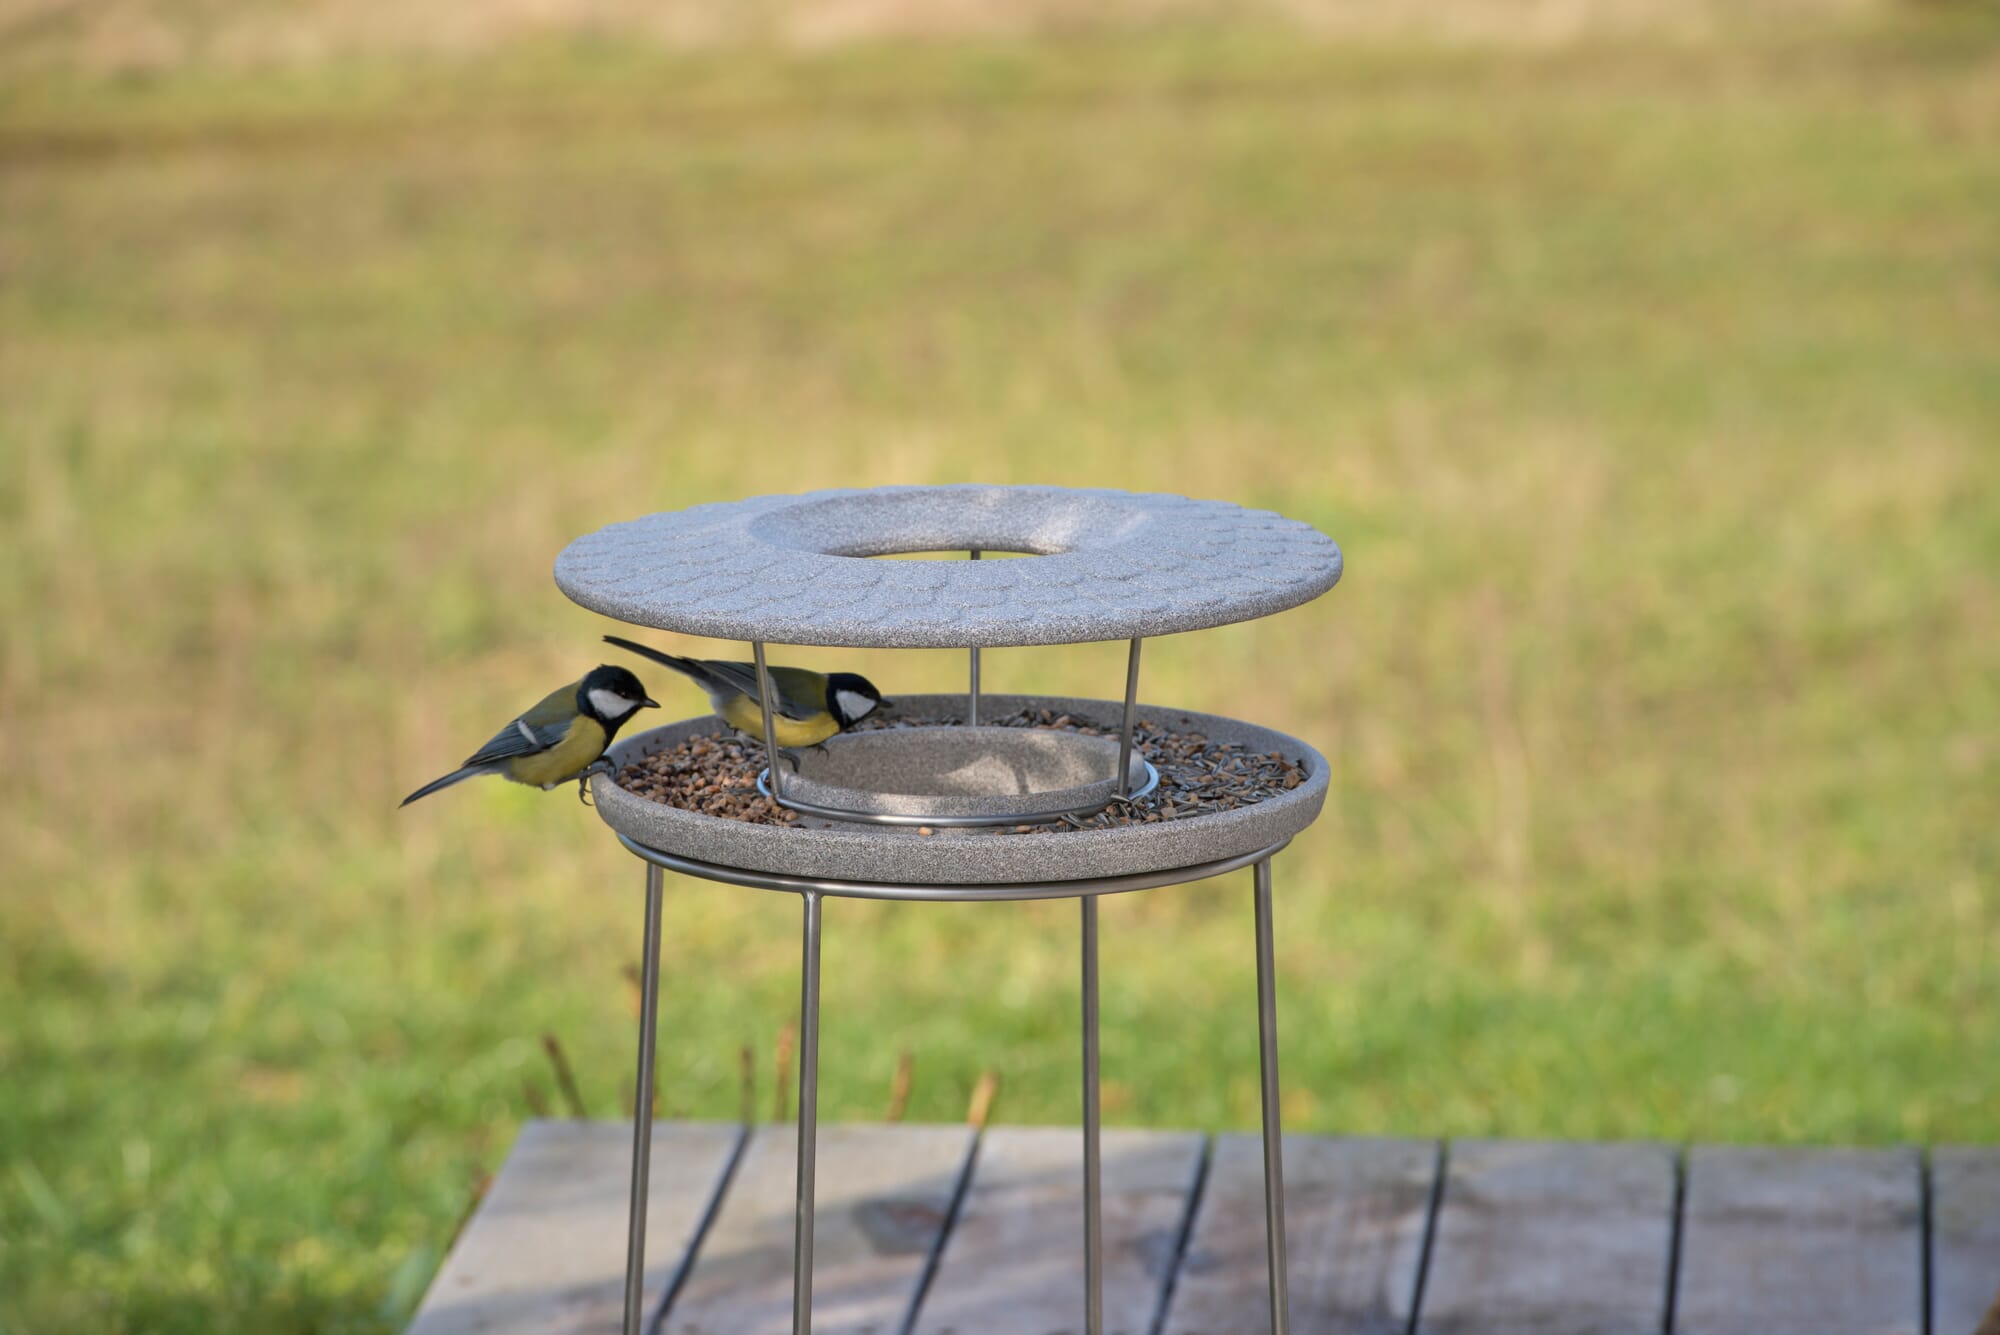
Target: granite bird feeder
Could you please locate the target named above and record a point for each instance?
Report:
(936, 802)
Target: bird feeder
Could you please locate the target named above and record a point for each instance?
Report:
(950, 797)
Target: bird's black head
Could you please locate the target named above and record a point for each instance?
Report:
(851, 697)
(611, 695)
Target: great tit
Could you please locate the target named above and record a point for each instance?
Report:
(560, 739)
(812, 706)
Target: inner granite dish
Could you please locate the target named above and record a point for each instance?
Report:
(961, 772)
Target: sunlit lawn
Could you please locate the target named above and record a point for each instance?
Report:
(1653, 392)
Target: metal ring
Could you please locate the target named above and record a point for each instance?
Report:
(974, 821)
(917, 892)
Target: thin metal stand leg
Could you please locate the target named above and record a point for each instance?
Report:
(1125, 727)
(802, 1226)
(764, 694)
(1093, 1169)
(642, 1109)
(1267, 1067)
(972, 691)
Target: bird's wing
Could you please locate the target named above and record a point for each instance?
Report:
(799, 694)
(537, 730)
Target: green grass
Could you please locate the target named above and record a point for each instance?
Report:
(1653, 392)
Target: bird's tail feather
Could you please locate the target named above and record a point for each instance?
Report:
(456, 776)
(685, 666)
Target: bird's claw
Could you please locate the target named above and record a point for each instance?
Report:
(595, 767)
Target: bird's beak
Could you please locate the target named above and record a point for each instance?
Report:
(649, 703)
(884, 704)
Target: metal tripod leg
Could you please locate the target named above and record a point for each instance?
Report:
(1093, 1165)
(802, 1226)
(1267, 1068)
(642, 1109)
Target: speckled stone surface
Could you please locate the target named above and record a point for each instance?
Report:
(970, 857)
(1107, 565)
(960, 771)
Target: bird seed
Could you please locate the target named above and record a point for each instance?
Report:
(717, 776)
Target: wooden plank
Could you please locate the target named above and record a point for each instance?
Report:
(1356, 1212)
(545, 1254)
(1965, 1237)
(1801, 1242)
(883, 1193)
(1551, 1239)
(1014, 1263)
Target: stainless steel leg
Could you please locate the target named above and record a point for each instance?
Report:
(802, 1226)
(972, 685)
(642, 1109)
(1093, 1168)
(1267, 1066)
(1125, 727)
(764, 697)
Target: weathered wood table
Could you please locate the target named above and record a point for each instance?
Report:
(939, 1230)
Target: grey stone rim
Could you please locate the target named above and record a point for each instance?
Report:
(899, 854)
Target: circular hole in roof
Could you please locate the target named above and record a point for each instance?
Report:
(1023, 521)
(951, 554)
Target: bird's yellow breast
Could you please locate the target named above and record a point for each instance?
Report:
(580, 746)
(742, 714)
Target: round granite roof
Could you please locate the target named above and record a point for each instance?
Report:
(1106, 565)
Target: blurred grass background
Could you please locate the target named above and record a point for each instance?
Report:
(1649, 373)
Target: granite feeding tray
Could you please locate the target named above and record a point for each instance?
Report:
(929, 799)
(969, 857)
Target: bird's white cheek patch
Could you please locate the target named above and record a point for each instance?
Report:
(854, 705)
(610, 704)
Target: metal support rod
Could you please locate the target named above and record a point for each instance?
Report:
(1267, 1068)
(802, 1225)
(1125, 730)
(770, 719)
(972, 694)
(1093, 1169)
(948, 894)
(642, 1108)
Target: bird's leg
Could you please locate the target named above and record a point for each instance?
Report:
(791, 757)
(597, 766)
